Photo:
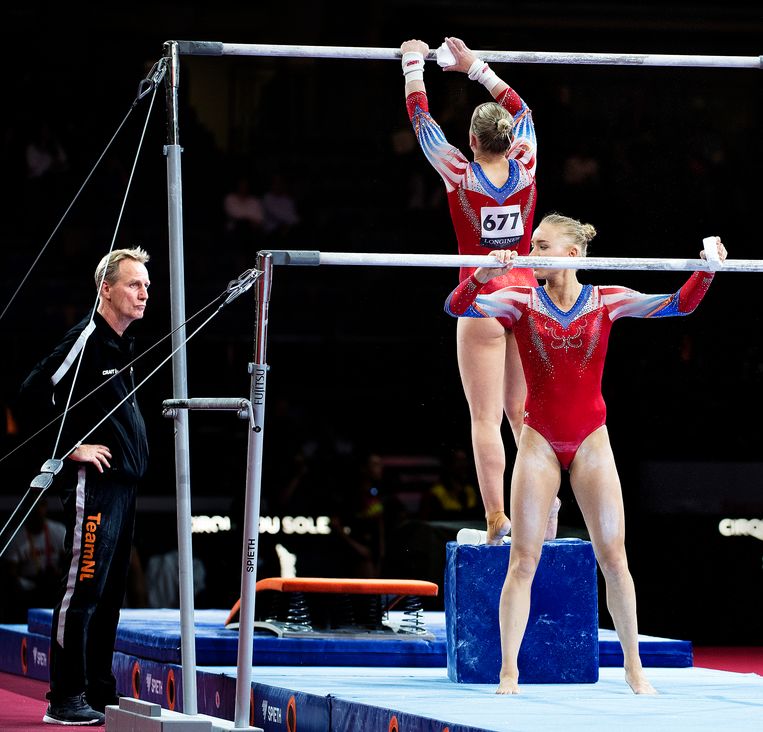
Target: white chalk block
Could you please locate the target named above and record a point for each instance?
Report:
(475, 537)
(711, 252)
(445, 56)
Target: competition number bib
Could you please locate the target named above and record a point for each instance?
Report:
(501, 222)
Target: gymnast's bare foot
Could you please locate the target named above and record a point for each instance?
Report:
(508, 685)
(553, 520)
(638, 682)
(498, 526)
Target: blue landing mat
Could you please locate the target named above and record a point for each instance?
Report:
(24, 653)
(425, 700)
(700, 700)
(655, 652)
(155, 635)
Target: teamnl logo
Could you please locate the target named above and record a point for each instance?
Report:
(741, 527)
(271, 714)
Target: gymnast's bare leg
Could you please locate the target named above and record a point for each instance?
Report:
(494, 383)
(596, 485)
(482, 345)
(534, 485)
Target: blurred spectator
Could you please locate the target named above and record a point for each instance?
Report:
(581, 168)
(136, 594)
(357, 518)
(455, 495)
(44, 153)
(582, 180)
(244, 212)
(162, 579)
(408, 188)
(281, 215)
(12, 172)
(46, 162)
(33, 563)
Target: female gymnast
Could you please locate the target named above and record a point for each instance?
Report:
(562, 329)
(492, 201)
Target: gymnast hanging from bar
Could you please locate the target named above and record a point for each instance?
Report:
(562, 329)
(492, 202)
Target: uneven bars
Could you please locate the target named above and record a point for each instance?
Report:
(216, 48)
(295, 257)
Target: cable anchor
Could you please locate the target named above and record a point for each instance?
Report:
(153, 79)
(241, 285)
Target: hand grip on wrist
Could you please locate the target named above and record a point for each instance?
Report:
(413, 66)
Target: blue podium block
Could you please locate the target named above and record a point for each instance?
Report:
(561, 644)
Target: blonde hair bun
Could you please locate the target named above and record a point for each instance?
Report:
(588, 231)
(577, 232)
(492, 125)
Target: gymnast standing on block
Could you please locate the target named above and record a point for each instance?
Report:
(492, 201)
(562, 329)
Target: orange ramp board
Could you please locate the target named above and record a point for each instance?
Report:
(357, 586)
(349, 586)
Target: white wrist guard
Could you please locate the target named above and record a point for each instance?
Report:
(413, 66)
(480, 71)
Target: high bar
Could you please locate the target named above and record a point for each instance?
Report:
(296, 257)
(216, 48)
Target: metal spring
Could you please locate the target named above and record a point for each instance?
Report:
(298, 612)
(413, 616)
(369, 611)
(344, 611)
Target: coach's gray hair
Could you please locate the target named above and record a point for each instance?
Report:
(110, 263)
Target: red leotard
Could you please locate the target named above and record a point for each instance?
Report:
(563, 352)
(485, 217)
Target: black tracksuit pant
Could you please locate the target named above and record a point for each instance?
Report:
(99, 513)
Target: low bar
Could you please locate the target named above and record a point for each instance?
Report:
(315, 258)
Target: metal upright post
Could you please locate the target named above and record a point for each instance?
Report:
(258, 370)
(180, 383)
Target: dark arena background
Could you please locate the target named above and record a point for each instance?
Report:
(365, 411)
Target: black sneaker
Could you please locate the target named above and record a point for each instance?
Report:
(72, 710)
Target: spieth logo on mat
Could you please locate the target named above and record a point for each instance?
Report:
(39, 658)
(154, 685)
(271, 714)
(741, 527)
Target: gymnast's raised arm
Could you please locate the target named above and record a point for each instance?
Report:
(468, 63)
(622, 302)
(414, 52)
